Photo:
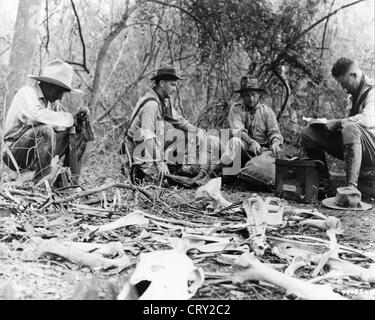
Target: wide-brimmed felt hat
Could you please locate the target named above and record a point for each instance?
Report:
(59, 73)
(249, 83)
(166, 73)
(347, 198)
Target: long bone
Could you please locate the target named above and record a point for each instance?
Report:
(329, 223)
(334, 227)
(38, 247)
(135, 218)
(249, 268)
(350, 269)
(105, 249)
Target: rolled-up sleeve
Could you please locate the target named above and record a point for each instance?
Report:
(366, 118)
(33, 112)
(235, 118)
(180, 122)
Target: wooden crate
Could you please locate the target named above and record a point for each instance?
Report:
(297, 180)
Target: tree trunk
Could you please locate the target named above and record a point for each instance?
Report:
(24, 45)
(117, 28)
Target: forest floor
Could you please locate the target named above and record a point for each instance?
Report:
(173, 213)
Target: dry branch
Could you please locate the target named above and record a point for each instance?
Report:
(101, 189)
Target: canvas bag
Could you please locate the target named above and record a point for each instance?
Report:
(260, 171)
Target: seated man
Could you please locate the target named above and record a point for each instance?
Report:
(37, 128)
(255, 130)
(151, 127)
(352, 138)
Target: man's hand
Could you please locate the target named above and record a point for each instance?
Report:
(84, 110)
(83, 114)
(162, 168)
(255, 147)
(333, 125)
(275, 148)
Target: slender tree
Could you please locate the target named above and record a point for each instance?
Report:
(25, 43)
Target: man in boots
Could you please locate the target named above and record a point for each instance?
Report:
(155, 125)
(255, 130)
(37, 126)
(351, 139)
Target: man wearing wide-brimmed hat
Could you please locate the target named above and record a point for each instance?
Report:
(37, 126)
(153, 119)
(255, 130)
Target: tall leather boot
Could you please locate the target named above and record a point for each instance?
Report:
(353, 161)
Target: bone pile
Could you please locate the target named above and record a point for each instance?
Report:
(126, 242)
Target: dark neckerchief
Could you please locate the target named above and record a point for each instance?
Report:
(359, 97)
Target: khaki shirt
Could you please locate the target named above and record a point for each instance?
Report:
(29, 108)
(261, 124)
(153, 123)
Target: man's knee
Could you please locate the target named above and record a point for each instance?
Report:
(305, 136)
(46, 132)
(351, 133)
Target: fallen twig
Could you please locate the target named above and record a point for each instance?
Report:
(101, 189)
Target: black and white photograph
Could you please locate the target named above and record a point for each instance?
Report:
(187, 154)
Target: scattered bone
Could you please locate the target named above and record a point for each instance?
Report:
(275, 213)
(350, 269)
(334, 227)
(37, 248)
(135, 218)
(111, 249)
(163, 275)
(329, 223)
(256, 211)
(249, 268)
(305, 212)
(329, 275)
(321, 243)
(211, 193)
(297, 263)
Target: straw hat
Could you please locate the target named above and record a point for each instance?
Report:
(59, 73)
(347, 198)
